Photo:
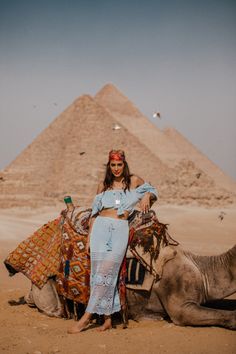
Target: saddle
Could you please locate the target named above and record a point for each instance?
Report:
(148, 239)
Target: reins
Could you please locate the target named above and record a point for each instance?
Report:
(149, 240)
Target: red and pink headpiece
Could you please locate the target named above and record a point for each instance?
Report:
(117, 155)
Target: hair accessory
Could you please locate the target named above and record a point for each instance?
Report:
(117, 155)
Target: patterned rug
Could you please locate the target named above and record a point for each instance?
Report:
(73, 274)
(38, 256)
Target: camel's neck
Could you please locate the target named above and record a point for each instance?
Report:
(219, 274)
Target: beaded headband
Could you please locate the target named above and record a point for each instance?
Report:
(117, 155)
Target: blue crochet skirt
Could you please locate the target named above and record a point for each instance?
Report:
(108, 243)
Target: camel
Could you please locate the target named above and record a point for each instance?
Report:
(187, 282)
(181, 282)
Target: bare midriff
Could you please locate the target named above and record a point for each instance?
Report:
(112, 213)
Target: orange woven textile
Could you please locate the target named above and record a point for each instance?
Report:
(74, 270)
(38, 256)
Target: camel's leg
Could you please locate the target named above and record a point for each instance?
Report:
(137, 300)
(47, 299)
(192, 314)
(181, 291)
(29, 299)
(142, 304)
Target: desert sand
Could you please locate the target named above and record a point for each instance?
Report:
(25, 330)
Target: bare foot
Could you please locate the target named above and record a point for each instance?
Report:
(79, 327)
(106, 325)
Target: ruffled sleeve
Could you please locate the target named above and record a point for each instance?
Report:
(97, 204)
(144, 188)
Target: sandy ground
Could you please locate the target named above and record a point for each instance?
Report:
(25, 330)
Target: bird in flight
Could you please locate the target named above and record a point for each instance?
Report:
(157, 114)
(116, 127)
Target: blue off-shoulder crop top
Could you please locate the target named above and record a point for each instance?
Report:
(120, 199)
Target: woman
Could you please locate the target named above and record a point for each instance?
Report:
(108, 235)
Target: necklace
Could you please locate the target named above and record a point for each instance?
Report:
(118, 185)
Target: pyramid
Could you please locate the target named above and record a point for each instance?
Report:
(168, 145)
(70, 155)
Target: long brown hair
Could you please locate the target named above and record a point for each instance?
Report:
(109, 177)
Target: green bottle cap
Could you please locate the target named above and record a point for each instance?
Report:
(67, 199)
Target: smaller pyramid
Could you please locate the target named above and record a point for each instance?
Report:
(170, 146)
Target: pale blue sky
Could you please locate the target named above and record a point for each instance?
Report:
(176, 55)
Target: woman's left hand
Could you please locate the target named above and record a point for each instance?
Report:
(145, 203)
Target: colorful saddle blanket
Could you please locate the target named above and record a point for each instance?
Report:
(37, 257)
(135, 272)
(148, 237)
(73, 274)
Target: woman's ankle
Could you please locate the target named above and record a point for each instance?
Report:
(86, 317)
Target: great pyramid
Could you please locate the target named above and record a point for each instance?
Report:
(69, 157)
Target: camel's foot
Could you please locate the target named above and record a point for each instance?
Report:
(21, 301)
